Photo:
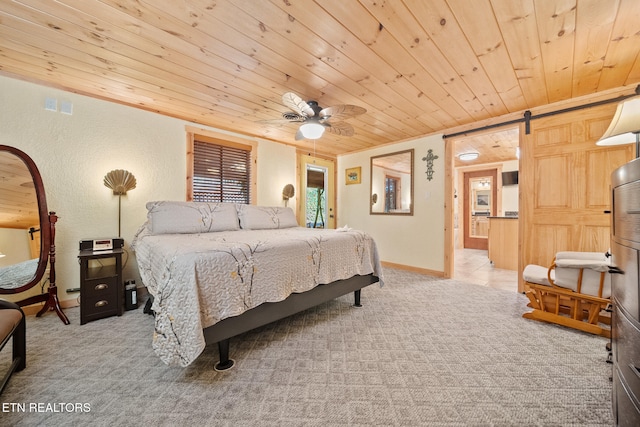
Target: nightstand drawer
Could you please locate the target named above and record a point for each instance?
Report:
(103, 288)
(98, 298)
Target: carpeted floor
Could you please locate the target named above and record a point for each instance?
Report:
(422, 351)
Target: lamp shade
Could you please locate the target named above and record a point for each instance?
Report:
(625, 124)
(312, 130)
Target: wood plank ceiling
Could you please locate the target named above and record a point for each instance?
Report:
(18, 200)
(417, 66)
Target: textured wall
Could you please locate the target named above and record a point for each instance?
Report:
(74, 152)
(415, 241)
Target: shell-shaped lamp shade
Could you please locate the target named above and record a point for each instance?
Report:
(288, 191)
(120, 181)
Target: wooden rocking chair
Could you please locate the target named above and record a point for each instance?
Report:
(574, 291)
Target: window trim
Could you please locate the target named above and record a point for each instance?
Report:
(226, 140)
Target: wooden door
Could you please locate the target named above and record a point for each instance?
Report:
(565, 181)
(307, 165)
(476, 220)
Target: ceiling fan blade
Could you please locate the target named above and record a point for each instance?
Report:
(339, 128)
(297, 104)
(341, 112)
(299, 135)
(279, 121)
(293, 117)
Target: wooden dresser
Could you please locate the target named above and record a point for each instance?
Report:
(625, 327)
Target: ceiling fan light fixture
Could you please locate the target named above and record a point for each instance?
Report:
(466, 157)
(312, 130)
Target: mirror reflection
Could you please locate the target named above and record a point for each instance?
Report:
(481, 204)
(392, 183)
(19, 223)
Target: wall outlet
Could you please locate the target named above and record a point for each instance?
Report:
(51, 104)
(66, 107)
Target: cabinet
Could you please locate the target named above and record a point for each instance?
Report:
(625, 289)
(101, 289)
(503, 242)
(479, 226)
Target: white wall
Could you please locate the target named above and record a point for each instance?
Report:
(14, 244)
(510, 192)
(415, 241)
(74, 152)
(276, 168)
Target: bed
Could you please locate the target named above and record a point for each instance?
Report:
(16, 275)
(216, 270)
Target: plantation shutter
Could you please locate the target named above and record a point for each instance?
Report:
(221, 173)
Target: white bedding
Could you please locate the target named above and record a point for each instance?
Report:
(200, 279)
(16, 275)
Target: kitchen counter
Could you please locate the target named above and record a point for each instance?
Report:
(503, 242)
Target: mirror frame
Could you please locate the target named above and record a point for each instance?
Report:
(43, 214)
(371, 194)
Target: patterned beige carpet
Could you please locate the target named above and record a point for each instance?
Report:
(422, 351)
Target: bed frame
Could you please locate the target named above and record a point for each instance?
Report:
(269, 312)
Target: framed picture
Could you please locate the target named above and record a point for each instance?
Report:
(353, 175)
(482, 200)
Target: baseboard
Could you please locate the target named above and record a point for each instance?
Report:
(413, 269)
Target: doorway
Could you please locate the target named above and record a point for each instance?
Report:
(495, 149)
(316, 197)
(480, 202)
(317, 204)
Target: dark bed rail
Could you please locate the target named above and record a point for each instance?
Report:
(269, 312)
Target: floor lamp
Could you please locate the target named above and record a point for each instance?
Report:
(625, 125)
(120, 181)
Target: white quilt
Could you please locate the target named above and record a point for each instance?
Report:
(200, 279)
(14, 276)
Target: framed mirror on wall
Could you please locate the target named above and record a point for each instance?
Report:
(391, 191)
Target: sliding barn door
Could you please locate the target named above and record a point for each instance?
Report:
(565, 182)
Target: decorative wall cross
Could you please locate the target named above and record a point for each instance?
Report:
(429, 159)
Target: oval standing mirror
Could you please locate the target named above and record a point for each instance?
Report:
(392, 184)
(27, 231)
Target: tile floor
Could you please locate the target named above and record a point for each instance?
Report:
(473, 266)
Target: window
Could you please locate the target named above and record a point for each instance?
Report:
(221, 171)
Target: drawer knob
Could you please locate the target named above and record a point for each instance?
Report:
(101, 303)
(101, 287)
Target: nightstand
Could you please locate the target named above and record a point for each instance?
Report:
(101, 289)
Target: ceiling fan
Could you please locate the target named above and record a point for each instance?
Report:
(315, 119)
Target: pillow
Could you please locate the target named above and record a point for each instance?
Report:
(262, 217)
(167, 217)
